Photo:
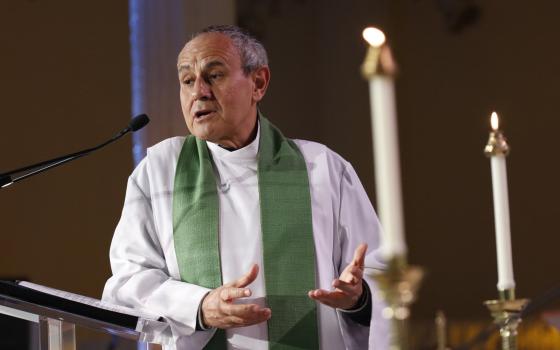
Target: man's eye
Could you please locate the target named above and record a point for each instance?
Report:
(215, 76)
(187, 81)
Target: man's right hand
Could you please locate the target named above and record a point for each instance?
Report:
(220, 311)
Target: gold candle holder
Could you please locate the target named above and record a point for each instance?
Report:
(441, 331)
(496, 145)
(506, 312)
(378, 61)
(398, 286)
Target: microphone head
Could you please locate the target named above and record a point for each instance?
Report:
(138, 122)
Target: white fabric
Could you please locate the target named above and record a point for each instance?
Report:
(144, 265)
(240, 236)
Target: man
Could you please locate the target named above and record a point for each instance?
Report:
(239, 237)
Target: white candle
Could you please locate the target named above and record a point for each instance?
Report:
(386, 151)
(501, 215)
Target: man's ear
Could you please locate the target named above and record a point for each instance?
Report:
(261, 78)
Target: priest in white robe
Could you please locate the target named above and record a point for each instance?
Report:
(239, 237)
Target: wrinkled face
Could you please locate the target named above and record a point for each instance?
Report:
(218, 100)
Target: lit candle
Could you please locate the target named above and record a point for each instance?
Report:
(379, 69)
(497, 149)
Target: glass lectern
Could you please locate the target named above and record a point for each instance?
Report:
(58, 315)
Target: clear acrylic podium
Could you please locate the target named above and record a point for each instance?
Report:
(58, 317)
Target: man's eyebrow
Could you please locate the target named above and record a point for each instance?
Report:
(211, 64)
(182, 67)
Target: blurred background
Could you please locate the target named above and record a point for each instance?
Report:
(73, 73)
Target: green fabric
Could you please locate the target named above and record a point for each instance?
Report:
(196, 221)
(289, 255)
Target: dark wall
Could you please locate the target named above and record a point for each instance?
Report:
(64, 86)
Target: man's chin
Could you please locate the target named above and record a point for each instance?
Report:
(203, 134)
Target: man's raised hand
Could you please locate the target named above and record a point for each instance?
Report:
(348, 287)
(220, 311)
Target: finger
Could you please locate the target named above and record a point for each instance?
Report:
(246, 279)
(230, 293)
(359, 255)
(323, 294)
(254, 318)
(235, 321)
(316, 292)
(349, 288)
(358, 272)
(336, 299)
(247, 311)
(352, 274)
(355, 282)
(325, 297)
(240, 310)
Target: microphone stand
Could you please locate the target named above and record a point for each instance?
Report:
(16, 175)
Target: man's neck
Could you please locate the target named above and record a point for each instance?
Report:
(250, 139)
(231, 149)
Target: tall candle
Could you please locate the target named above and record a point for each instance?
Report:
(379, 70)
(497, 149)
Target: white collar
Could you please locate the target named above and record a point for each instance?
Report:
(248, 152)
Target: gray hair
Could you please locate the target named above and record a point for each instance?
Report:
(252, 52)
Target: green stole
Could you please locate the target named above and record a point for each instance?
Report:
(287, 234)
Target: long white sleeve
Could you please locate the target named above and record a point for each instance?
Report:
(141, 275)
(358, 223)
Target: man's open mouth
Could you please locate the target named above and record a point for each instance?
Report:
(202, 113)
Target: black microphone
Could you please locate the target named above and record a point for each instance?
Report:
(138, 122)
(8, 178)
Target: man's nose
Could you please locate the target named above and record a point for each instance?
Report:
(202, 90)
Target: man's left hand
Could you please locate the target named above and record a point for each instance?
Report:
(348, 287)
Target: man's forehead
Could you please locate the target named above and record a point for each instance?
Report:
(208, 47)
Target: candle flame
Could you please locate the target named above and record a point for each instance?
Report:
(374, 36)
(494, 121)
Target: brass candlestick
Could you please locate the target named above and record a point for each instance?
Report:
(378, 61)
(507, 315)
(398, 286)
(441, 331)
(496, 145)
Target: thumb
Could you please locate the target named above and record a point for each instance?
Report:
(359, 255)
(248, 278)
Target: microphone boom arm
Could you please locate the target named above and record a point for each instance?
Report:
(7, 178)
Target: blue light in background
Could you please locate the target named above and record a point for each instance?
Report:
(136, 73)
